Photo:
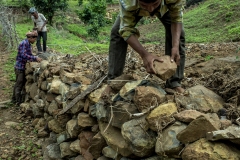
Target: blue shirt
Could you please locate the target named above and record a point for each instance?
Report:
(24, 55)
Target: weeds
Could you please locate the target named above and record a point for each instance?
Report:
(208, 57)
(22, 147)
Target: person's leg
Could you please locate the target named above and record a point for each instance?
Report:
(39, 47)
(175, 80)
(44, 35)
(20, 82)
(14, 99)
(117, 52)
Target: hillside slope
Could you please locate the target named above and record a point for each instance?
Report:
(210, 21)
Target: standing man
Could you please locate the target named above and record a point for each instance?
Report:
(123, 32)
(40, 24)
(24, 55)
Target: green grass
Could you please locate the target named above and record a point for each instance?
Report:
(213, 21)
(9, 3)
(67, 43)
(64, 42)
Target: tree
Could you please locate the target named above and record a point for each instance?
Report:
(192, 2)
(93, 13)
(109, 1)
(49, 7)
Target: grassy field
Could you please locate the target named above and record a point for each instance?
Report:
(213, 21)
(210, 21)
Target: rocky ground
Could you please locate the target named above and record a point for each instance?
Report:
(216, 66)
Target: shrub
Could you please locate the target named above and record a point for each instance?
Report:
(93, 13)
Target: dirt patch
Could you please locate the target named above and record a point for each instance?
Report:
(17, 136)
(5, 84)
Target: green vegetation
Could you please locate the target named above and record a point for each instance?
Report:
(9, 67)
(211, 21)
(93, 14)
(208, 57)
(49, 7)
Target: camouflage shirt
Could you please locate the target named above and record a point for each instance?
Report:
(130, 10)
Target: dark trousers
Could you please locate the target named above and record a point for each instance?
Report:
(118, 50)
(19, 89)
(42, 35)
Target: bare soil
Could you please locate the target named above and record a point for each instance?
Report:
(215, 66)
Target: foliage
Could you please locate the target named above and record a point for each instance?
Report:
(210, 21)
(114, 16)
(80, 2)
(93, 14)
(213, 21)
(25, 4)
(64, 42)
(49, 7)
(9, 67)
(72, 41)
(192, 2)
(208, 57)
(77, 30)
(110, 1)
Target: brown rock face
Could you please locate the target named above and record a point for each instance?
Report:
(165, 69)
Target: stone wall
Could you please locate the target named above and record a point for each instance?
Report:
(126, 118)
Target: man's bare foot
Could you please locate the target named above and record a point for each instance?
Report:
(179, 89)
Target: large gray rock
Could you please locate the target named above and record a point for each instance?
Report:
(110, 153)
(196, 129)
(63, 137)
(201, 90)
(203, 149)
(146, 96)
(55, 126)
(128, 90)
(96, 95)
(52, 152)
(201, 99)
(67, 77)
(75, 146)
(167, 142)
(119, 82)
(161, 116)
(74, 90)
(66, 152)
(73, 128)
(114, 139)
(141, 140)
(33, 90)
(231, 133)
(85, 120)
(97, 144)
(85, 138)
(187, 116)
(120, 113)
(31, 66)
